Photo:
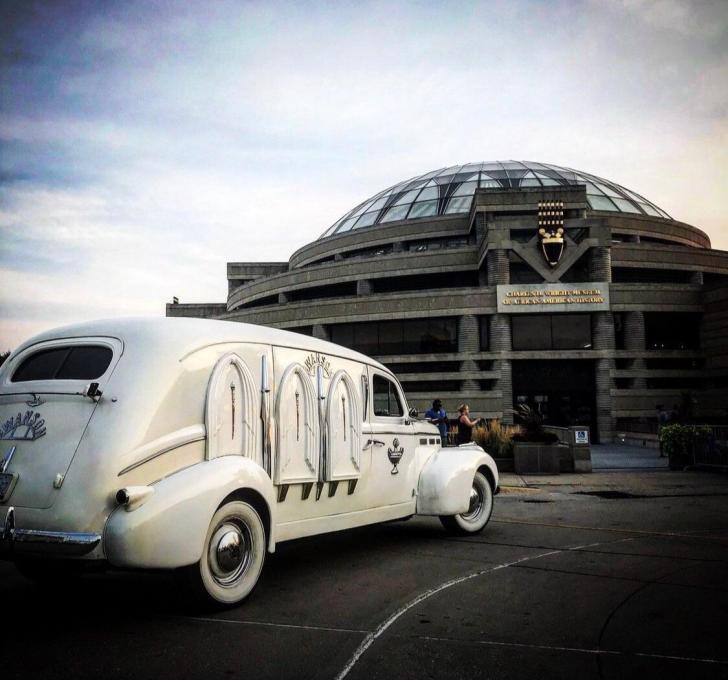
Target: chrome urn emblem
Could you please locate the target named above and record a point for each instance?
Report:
(395, 455)
(26, 427)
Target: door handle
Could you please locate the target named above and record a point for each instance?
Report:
(373, 442)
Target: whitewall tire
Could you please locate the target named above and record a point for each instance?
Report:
(474, 519)
(232, 557)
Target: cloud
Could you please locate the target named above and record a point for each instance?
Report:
(146, 144)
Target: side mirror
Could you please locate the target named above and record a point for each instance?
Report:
(413, 413)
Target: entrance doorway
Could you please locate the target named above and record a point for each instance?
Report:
(563, 391)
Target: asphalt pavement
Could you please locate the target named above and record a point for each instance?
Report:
(616, 574)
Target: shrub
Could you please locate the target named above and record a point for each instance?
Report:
(681, 442)
(496, 438)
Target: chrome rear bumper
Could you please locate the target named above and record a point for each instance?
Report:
(51, 543)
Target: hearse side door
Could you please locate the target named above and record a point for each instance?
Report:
(389, 436)
(235, 418)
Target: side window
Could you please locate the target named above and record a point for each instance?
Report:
(386, 399)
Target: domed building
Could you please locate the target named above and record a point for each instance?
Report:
(501, 283)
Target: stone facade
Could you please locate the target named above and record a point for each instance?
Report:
(450, 267)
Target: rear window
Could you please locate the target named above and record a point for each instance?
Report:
(81, 362)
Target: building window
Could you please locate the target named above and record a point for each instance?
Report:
(386, 338)
(431, 386)
(647, 275)
(303, 330)
(551, 331)
(672, 330)
(483, 324)
(619, 330)
(396, 284)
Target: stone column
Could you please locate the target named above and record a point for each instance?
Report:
(603, 333)
(634, 339)
(468, 341)
(363, 287)
(480, 227)
(282, 298)
(498, 267)
(505, 385)
(500, 333)
(500, 341)
(320, 331)
(600, 264)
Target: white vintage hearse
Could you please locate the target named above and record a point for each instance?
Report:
(198, 445)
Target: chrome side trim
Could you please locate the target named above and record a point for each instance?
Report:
(8, 524)
(265, 416)
(37, 541)
(175, 440)
(89, 541)
(6, 459)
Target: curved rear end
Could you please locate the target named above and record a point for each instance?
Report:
(44, 413)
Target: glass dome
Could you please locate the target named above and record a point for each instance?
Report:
(450, 191)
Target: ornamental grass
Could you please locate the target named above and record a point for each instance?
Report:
(496, 438)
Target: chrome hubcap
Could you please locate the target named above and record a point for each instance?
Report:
(229, 552)
(476, 504)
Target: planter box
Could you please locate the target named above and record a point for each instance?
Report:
(545, 459)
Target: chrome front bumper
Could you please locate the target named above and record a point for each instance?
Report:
(34, 541)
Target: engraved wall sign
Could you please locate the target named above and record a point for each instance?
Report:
(527, 298)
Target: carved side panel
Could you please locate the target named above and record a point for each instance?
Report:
(231, 410)
(297, 428)
(343, 429)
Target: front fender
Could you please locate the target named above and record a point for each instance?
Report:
(169, 529)
(446, 479)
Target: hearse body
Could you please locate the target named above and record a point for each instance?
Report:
(199, 445)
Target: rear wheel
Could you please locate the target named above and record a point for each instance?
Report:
(474, 519)
(233, 556)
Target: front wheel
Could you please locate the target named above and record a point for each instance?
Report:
(474, 519)
(233, 556)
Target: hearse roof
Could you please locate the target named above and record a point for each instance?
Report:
(187, 335)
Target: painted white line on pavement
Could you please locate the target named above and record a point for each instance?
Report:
(579, 650)
(272, 625)
(381, 629)
(639, 532)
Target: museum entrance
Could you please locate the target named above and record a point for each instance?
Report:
(563, 391)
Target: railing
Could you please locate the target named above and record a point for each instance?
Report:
(561, 432)
(711, 451)
(578, 439)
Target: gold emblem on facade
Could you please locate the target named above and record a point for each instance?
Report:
(551, 230)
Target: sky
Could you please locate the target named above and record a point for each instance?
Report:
(143, 145)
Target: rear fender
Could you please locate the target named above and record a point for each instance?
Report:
(169, 529)
(445, 481)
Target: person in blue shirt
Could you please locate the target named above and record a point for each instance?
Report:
(438, 416)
